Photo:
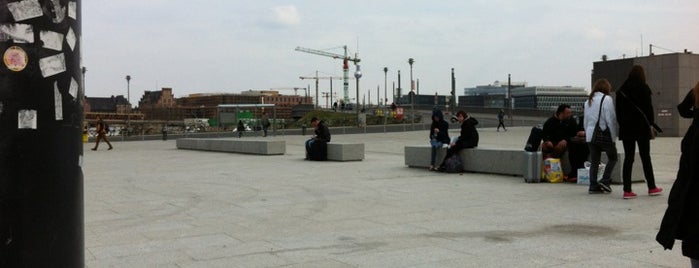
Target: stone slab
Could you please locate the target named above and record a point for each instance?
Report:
(501, 161)
(234, 145)
(345, 151)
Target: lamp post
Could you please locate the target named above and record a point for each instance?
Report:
(385, 85)
(412, 93)
(128, 102)
(357, 75)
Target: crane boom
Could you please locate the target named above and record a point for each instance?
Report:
(328, 54)
(345, 66)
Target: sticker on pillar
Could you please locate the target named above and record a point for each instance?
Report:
(57, 12)
(52, 65)
(73, 90)
(26, 119)
(58, 101)
(71, 39)
(24, 10)
(52, 40)
(19, 33)
(15, 58)
(72, 7)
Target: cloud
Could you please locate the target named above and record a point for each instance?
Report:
(287, 15)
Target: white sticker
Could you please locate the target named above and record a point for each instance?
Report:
(20, 33)
(24, 10)
(52, 40)
(58, 101)
(26, 119)
(52, 65)
(71, 39)
(73, 90)
(58, 11)
(72, 7)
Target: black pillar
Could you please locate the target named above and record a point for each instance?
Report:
(41, 96)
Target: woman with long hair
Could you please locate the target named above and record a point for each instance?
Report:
(599, 108)
(439, 135)
(634, 111)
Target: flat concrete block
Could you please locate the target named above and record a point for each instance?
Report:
(234, 145)
(418, 156)
(345, 151)
(497, 161)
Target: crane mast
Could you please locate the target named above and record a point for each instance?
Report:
(345, 66)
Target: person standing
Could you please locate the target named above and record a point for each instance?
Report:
(599, 109)
(439, 135)
(101, 128)
(240, 128)
(681, 219)
(265, 124)
(468, 138)
(501, 120)
(634, 111)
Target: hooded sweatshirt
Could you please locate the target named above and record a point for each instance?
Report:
(443, 126)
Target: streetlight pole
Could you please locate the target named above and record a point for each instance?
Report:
(357, 75)
(128, 102)
(412, 93)
(385, 85)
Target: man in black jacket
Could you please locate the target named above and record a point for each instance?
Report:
(317, 146)
(563, 133)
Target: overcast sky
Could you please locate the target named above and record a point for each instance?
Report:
(217, 46)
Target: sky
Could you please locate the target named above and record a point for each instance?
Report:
(229, 46)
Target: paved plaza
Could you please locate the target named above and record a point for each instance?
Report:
(148, 204)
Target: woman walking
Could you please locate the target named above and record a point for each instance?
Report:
(635, 116)
(599, 111)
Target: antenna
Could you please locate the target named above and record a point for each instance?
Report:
(641, 44)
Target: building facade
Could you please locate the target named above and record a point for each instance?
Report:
(544, 98)
(670, 77)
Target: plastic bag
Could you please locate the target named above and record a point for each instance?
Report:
(553, 172)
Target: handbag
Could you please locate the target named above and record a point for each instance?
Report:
(602, 138)
(653, 128)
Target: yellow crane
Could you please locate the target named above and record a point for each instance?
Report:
(345, 66)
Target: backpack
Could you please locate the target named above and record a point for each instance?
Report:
(453, 164)
(534, 140)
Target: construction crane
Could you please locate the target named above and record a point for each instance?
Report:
(316, 77)
(345, 66)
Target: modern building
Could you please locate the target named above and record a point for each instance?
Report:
(543, 98)
(670, 77)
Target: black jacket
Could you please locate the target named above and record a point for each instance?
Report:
(443, 126)
(681, 219)
(469, 134)
(322, 132)
(556, 130)
(631, 121)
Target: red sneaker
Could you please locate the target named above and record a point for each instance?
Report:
(629, 195)
(655, 191)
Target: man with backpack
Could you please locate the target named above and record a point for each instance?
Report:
(102, 130)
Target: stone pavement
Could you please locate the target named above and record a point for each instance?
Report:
(148, 204)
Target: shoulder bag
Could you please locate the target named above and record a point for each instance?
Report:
(653, 129)
(602, 138)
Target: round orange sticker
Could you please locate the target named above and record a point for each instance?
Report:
(15, 58)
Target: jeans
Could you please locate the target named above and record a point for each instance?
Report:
(435, 147)
(309, 142)
(644, 153)
(595, 155)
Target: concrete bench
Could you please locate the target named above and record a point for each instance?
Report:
(233, 145)
(345, 151)
(500, 161)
